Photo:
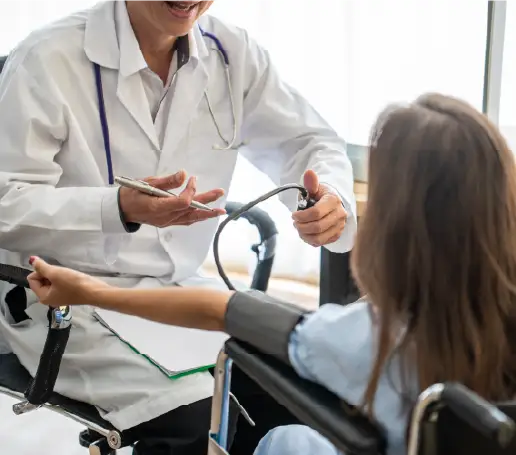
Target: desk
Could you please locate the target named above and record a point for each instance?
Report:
(336, 284)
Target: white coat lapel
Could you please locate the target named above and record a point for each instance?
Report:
(131, 94)
(190, 85)
(102, 46)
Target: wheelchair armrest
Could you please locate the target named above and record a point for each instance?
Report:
(312, 404)
(336, 280)
(266, 249)
(42, 385)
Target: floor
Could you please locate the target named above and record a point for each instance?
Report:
(43, 432)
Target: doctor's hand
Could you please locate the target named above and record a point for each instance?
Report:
(58, 286)
(323, 223)
(162, 212)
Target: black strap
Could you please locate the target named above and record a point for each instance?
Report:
(16, 298)
(16, 301)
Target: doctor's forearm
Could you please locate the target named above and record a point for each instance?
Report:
(185, 307)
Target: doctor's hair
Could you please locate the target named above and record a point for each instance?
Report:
(436, 248)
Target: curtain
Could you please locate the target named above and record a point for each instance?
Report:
(348, 58)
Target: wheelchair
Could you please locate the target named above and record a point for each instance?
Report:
(100, 436)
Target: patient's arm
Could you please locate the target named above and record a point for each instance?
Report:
(185, 307)
(192, 307)
(251, 316)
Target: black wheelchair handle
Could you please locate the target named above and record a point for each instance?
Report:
(14, 275)
(266, 249)
(257, 217)
(480, 414)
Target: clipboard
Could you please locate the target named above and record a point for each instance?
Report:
(175, 351)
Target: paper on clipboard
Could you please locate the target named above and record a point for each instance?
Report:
(176, 351)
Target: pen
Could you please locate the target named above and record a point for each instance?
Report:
(144, 187)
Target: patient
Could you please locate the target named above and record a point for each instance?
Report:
(435, 254)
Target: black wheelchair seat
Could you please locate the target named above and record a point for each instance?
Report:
(12, 374)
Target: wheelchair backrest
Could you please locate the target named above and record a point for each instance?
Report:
(446, 434)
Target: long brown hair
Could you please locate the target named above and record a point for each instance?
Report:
(436, 248)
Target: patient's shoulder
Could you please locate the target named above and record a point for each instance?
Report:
(338, 327)
(335, 346)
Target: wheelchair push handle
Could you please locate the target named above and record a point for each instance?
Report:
(480, 414)
(257, 217)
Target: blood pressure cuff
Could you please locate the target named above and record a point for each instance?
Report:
(262, 321)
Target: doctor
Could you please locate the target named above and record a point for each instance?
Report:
(146, 89)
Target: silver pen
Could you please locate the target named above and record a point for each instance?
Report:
(144, 187)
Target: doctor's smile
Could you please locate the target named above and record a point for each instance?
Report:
(183, 10)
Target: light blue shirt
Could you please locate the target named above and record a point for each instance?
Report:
(336, 347)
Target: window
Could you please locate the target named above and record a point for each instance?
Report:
(507, 120)
(352, 58)
(19, 18)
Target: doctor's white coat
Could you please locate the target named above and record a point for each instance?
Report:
(55, 200)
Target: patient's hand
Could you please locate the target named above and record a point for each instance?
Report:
(59, 286)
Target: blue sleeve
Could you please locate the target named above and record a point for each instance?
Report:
(295, 440)
(335, 347)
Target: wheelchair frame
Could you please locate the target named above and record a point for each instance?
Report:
(217, 442)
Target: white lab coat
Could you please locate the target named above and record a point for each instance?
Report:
(55, 200)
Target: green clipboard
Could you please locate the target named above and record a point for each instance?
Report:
(173, 375)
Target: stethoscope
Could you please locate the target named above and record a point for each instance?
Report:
(229, 145)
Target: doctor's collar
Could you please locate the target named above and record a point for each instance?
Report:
(103, 46)
(131, 57)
